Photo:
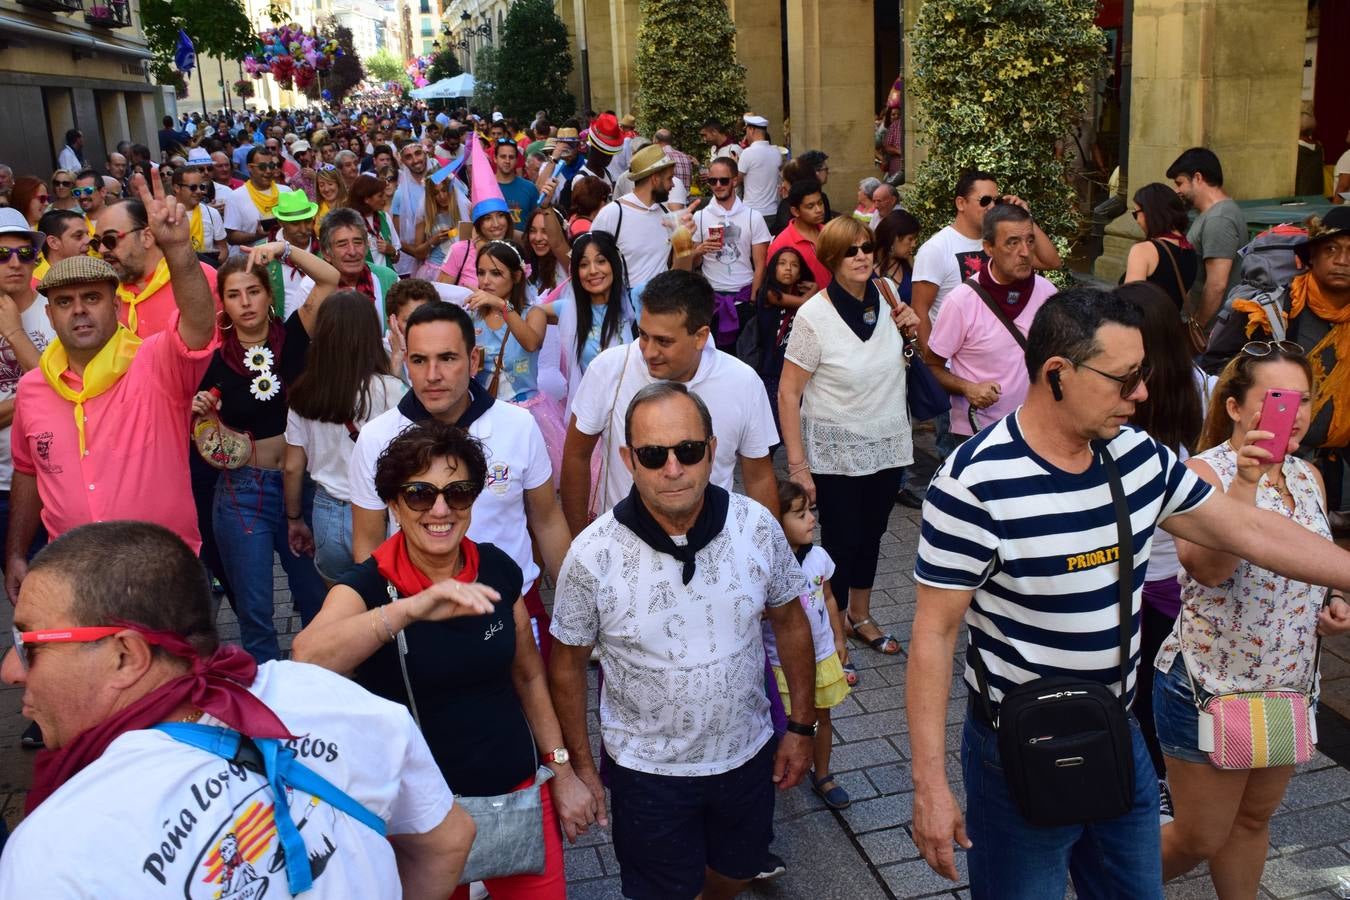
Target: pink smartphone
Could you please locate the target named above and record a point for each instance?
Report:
(1278, 411)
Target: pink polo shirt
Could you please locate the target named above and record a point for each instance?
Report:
(136, 438)
(978, 347)
(154, 313)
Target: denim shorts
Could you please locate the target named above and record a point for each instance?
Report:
(1174, 715)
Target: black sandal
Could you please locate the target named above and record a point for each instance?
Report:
(882, 643)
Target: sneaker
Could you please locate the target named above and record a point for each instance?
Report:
(1165, 811)
(32, 737)
(773, 867)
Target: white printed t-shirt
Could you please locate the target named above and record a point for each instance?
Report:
(684, 664)
(155, 818)
(40, 332)
(946, 259)
(818, 569)
(733, 393)
(517, 461)
(731, 268)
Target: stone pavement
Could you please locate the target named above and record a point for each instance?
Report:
(866, 852)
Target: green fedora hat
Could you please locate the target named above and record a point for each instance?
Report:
(294, 206)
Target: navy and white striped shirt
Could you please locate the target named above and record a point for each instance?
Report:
(1040, 549)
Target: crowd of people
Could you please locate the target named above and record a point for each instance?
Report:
(436, 364)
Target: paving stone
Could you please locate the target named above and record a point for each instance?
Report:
(582, 862)
(916, 879)
(596, 889)
(877, 724)
(872, 752)
(882, 812)
(1294, 831)
(890, 845)
(1317, 788)
(891, 779)
(1298, 873)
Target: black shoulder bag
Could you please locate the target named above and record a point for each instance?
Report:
(1064, 741)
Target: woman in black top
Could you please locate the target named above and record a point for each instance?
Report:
(452, 610)
(246, 386)
(1165, 258)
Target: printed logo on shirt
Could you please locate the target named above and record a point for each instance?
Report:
(499, 478)
(42, 446)
(1092, 560)
(970, 262)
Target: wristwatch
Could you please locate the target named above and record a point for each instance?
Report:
(558, 757)
(799, 728)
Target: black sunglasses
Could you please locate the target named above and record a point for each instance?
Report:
(195, 188)
(109, 239)
(718, 181)
(25, 254)
(1129, 382)
(63, 184)
(420, 496)
(866, 247)
(990, 198)
(686, 453)
(266, 167)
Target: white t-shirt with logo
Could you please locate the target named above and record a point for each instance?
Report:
(641, 234)
(242, 215)
(40, 332)
(517, 461)
(731, 268)
(946, 259)
(155, 818)
(733, 392)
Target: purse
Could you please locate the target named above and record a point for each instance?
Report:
(1065, 742)
(925, 397)
(1195, 332)
(510, 836)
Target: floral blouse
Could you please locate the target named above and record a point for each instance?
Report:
(1256, 631)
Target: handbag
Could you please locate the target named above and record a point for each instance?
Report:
(1195, 332)
(925, 397)
(1065, 742)
(510, 836)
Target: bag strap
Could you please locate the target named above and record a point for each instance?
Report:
(883, 287)
(497, 367)
(1176, 270)
(975, 286)
(402, 652)
(463, 261)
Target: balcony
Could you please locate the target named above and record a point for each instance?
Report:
(109, 14)
(54, 6)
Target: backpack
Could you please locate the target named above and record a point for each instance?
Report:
(1266, 265)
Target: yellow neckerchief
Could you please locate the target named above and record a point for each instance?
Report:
(103, 371)
(40, 270)
(264, 201)
(1305, 293)
(195, 229)
(157, 281)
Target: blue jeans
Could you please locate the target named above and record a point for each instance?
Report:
(1012, 859)
(249, 514)
(332, 535)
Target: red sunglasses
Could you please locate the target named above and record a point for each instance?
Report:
(81, 635)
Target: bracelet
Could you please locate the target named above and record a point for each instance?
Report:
(800, 467)
(286, 252)
(385, 620)
(295, 518)
(379, 638)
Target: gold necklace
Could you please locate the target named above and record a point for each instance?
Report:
(192, 716)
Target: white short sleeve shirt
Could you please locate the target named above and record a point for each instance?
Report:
(641, 234)
(946, 259)
(731, 268)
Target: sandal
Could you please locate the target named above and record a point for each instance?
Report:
(835, 797)
(882, 643)
(850, 674)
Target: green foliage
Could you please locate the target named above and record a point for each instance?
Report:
(347, 71)
(686, 68)
(385, 66)
(998, 83)
(444, 65)
(485, 79)
(217, 27)
(534, 39)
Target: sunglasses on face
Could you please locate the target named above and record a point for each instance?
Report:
(687, 453)
(991, 198)
(1259, 349)
(44, 198)
(195, 188)
(109, 240)
(1129, 382)
(420, 496)
(866, 247)
(25, 639)
(63, 184)
(719, 181)
(25, 254)
(84, 192)
(266, 167)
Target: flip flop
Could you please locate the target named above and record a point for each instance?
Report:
(850, 674)
(882, 643)
(835, 797)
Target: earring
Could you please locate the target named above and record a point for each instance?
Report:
(223, 321)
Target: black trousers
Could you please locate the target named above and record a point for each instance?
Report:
(853, 512)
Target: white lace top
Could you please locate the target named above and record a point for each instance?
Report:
(855, 418)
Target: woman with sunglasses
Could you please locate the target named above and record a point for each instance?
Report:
(332, 191)
(474, 683)
(29, 196)
(1164, 258)
(1241, 627)
(345, 383)
(246, 385)
(369, 197)
(841, 401)
(63, 182)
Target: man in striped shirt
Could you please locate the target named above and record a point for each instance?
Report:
(1019, 541)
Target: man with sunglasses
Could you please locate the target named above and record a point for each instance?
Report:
(89, 193)
(671, 586)
(1021, 542)
(731, 242)
(248, 211)
(190, 187)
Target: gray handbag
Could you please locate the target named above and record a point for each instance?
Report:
(510, 837)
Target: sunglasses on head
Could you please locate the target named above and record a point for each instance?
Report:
(991, 198)
(686, 453)
(84, 192)
(25, 254)
(109, 239)
(866, 247)
(1259, 349)
(420, 496)
(63, 184)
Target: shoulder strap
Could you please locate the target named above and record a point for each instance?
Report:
(497, 367)
(618, 226)
(402, 652)
(975, 286)
(1176, 270)
(1125, 583)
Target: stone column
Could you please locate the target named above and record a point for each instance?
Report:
(600, 37)
(141, 117)
(112, 115)
(759, 47)
(61, 117)
(1224, 74)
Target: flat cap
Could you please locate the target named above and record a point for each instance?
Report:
(77, 270)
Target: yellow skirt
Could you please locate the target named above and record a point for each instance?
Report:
(831, 686)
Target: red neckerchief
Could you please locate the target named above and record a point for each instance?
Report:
(218, 686)
(364, 283)
(399, 570)
(1179, 238)
(1002, 293)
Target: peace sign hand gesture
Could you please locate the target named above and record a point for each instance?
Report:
(165, 217)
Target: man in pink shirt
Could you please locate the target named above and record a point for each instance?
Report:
(100, 426)
(972, 348)
(806, 200)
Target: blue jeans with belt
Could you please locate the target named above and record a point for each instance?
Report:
(249, 514)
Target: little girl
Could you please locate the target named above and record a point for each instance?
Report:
(799, 524)
(786, 288)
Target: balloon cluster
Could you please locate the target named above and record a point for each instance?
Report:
(292, 56)
(417, 70)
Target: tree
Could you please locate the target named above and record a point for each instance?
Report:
(444, 65)
(347, 71)
(484, 79)
(384, 66)
(217, 28)
(999, 83)
(686, 67)
(534, 39)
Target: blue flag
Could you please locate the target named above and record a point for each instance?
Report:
(184, 55)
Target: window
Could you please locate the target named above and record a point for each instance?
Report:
(425, 7)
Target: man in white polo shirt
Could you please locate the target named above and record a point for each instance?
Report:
(731, 241)
(638, 220)
(759, 165)
(518, 498)
(673, 345)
